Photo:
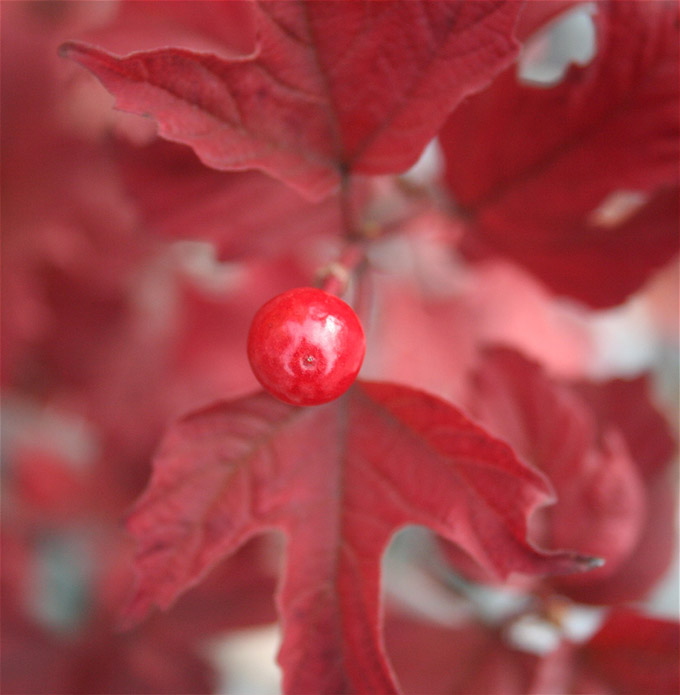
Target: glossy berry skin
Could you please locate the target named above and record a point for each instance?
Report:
(306, 346)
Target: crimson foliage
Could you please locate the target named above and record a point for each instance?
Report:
(257, 146)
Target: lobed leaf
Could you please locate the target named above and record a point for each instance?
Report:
(338, 481)
(579, 181)
(330, 88)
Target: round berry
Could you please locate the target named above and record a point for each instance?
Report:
(306, 346)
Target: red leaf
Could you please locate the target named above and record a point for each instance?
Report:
(647, 562)
(600, 507)
(471, 659)
(244, 214)
(550, 190)
(629, 655)
(627, 405)
(331, 87)
(339, 480)
(239, 593)
(634, 654)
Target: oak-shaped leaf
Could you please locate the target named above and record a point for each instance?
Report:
(329, 88)
(578, 181)
(338, 481)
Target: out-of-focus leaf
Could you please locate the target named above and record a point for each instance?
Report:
(579, 181)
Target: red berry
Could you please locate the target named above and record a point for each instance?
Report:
(306, 346)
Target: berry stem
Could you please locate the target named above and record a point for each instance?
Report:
(334, 277)
(347, 213)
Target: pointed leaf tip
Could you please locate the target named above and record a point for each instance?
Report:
(297, 111)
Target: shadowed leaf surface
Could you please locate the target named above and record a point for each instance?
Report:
(630, 654)
(579, 181)
(633, 653)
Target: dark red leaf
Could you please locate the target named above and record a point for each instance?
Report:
(630, 654)
(442, 660)
(245, 214)
(238, 593)
(634, 653)
(579, 182)
(100, 660)
(330, 88)
(339, 480)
